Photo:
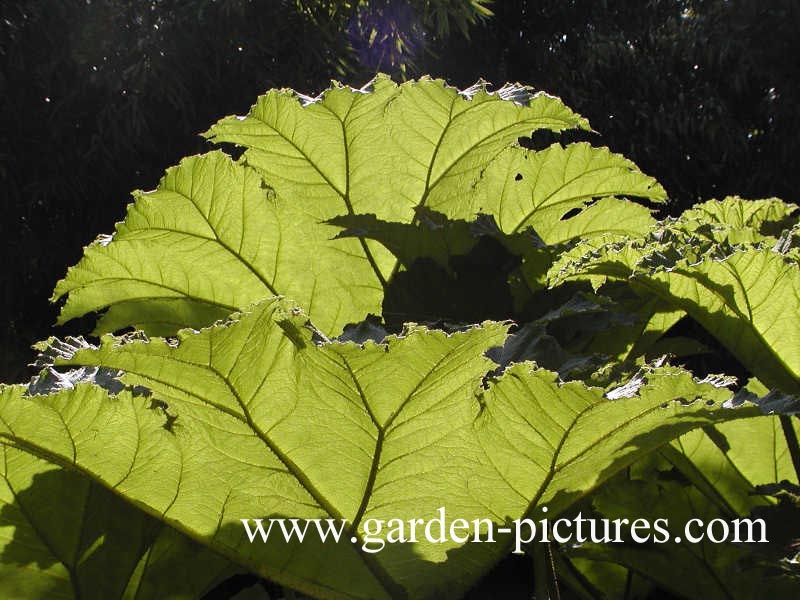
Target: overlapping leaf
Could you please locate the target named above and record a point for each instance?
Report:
(262, 422)
(724, 463)
(748, 297)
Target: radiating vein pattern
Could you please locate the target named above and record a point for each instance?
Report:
(261, 421)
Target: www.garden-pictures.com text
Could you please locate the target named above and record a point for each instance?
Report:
(376, 533)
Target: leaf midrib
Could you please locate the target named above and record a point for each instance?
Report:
(382, 429)
(219, 240)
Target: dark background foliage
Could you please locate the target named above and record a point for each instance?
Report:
(98, 97)
(701, 94)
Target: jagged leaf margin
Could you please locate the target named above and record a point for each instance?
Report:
(746, 295)
(211, 240)
(263, 422)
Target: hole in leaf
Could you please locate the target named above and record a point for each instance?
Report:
(571, 213)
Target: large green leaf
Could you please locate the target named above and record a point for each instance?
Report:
(261, 421)
(212, 239)
(386, 149)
